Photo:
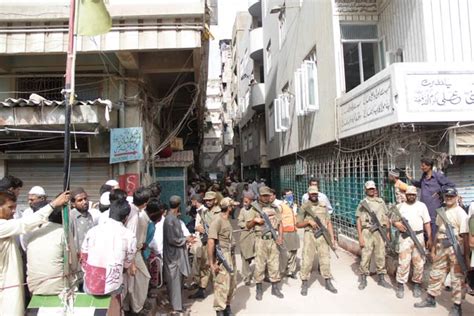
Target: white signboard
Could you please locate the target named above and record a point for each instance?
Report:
(367, 107)
(440, 92)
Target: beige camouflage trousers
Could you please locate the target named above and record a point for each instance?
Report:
(291, 263)
(224, 283)
(267, 255)
(204, 271)
(408, 253)
(313, 247)
(445, 262)
(373, 244)
(246, 270)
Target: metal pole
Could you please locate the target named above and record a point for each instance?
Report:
(69, 98)
(69, 93)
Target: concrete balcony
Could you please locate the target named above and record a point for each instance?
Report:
(257, 97)
(255, 8)
(418, 93)
(256, 44)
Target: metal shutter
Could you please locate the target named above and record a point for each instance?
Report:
(463, 177)
(90, 175)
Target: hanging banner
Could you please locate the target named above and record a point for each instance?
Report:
(126, 144)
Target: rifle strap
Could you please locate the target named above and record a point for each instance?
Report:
(257, 207)
(442, 213)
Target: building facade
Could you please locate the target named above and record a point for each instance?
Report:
(218, 147)
(249, 92)
(355, 88)
(151, 68)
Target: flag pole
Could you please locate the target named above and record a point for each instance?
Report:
(69, 96)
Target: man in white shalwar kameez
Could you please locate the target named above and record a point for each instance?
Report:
(11, 271)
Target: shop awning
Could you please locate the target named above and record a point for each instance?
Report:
(38, 111)
(183, 158)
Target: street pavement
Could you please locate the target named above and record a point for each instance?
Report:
(349, 300)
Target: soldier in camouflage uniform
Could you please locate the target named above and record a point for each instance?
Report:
(371, 241)
(220, 232)
(417, 216)
(213, 209)
(266, 249)
(444, 258)
(247, 239)
(312, 245)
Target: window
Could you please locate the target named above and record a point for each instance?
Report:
(245, 143)
(306, 86)
(268, 53)
(250, 141)
(271, 121)
(247, 100)
(282, 112)
(282, 25)
(50, 87)
(362, 53)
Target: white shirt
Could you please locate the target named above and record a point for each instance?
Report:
(321, 197)
(157, 244)
(26, 212)
(95, 213)
(45, 252)
(11, 300)
(104, 217)
(106, 251)
(458, 218)
(416, 214)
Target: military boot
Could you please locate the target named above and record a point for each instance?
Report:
(200, 293)
(429, 301)
(228, 311)
(276, 291)
(330, 287)
(456, 310)
(400, 290)
(382, 281)
(220, 313)
(304, 288)
(363, 282)
(416, 290)
(259, 294)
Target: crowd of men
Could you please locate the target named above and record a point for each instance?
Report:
(124, 246)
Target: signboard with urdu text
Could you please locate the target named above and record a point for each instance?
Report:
(126, 144)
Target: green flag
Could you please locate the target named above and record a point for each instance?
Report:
(93, 18)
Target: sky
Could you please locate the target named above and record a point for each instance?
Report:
(226, 16)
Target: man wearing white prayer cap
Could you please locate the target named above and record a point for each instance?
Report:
(113, 183)
(35, 195)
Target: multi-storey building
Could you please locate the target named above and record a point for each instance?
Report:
(249, 92)
(218, 148)
(151, 67)
(354, 88)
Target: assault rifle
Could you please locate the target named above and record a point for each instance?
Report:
(219, 253)
(452, 240)
(268, 224)
(409, 231)
(323, 231)
(377, 226)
